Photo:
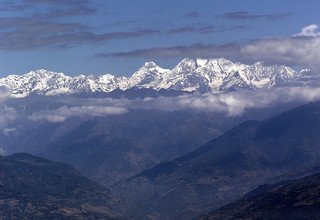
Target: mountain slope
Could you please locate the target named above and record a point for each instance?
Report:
(112, 148)
(35, 188)
(214, 75)
(295, 199)
(229, 166)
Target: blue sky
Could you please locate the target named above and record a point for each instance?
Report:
(118, 36)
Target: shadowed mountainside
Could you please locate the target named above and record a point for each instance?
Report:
(230, 166)
(294, 199)
(36, 188)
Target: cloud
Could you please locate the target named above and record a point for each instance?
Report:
(299, 50)
(50, 8)
(35, 24)
(309, 31)
(203, 29)
(191, 29)
(236, 103)
(230, 104)
(244, 15)
(62, 113)
(194, 50)
(21, 33)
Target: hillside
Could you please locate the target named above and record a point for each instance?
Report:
(230, 166)
(294, 199)
(36, 188)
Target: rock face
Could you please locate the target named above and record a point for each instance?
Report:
(214, 75)
(295, 199)
(35, 188)
(228, 167)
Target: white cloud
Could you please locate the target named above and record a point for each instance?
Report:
(299, 50)
(62, 113)
(310, 31)
(231, 104)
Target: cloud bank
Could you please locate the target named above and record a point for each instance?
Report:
(182, 51)
(231, 104)
(310, 31)
(301, 49)
(33, 24)
(62, 113)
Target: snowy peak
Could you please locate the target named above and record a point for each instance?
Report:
(203, 75)
(147, 76)
(201, 62)
(150, 65)
(149, 68)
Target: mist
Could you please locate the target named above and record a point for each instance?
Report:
(230, 104)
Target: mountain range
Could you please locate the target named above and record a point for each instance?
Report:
(202, 75)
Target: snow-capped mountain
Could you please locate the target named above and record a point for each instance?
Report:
(203, 75)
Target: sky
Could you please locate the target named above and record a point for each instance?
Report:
(118, 36)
